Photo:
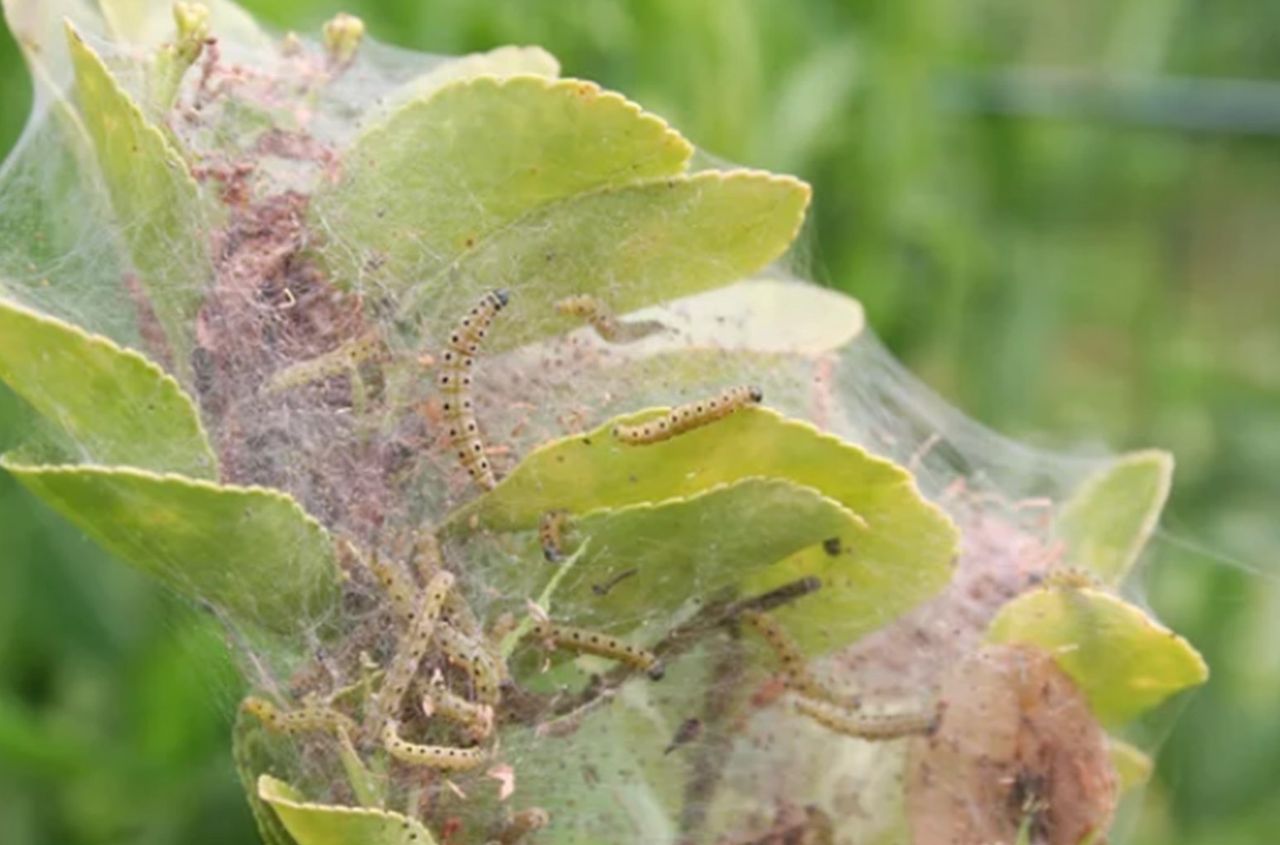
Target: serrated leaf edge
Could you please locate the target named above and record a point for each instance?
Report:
(136, 359)
(666, 131)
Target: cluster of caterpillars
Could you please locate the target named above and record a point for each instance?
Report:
(436, 627)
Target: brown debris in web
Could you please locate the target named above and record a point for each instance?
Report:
(1017, 749)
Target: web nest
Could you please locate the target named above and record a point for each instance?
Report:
(482, 717)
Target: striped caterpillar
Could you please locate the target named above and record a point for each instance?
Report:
(589, 642)
(310, 717)
(551, 535)
(854, 723)
(455, 382)
(447, 757)
(599, 317)
(410, 651)
(794, 671)
(688, 417)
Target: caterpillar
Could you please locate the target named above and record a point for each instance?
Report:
(778, 596)
(599, 317)
(347, 358)
(522, 824)
(472, 658)
(476, 718)
(601, 645)
(854, 723)
(455, 382)
(688, 417)
(410, 651)
(309, 717)
(794, 671)
(396, 584)
(447, 757)
(551, 534)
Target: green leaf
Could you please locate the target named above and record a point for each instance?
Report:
(633, 245)
(900, 558)
(1123, 660)
(1108, 521)
(114, 404)
(321, 824)
(251, 551)
(443, 173)
(680, 548)
(155, 200)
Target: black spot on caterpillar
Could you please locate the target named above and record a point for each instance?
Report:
(602, 645)
(688, 417)
(446, 757)
(551, 534)
(832, 546)
(872, 726)
(455, 382)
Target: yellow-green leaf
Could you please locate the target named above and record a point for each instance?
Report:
(634, 245)
(444, 173)
(901, 557)
(251, 551)
(1109, 519)
(1124, 661)
(116, 406)
(154, 198)
(323, 824)
(645, 561)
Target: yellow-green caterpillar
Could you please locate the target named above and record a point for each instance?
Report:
(455, 382)
(601, 645)
(688, 417)
(445, 757)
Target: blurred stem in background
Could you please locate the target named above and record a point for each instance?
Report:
(1063, 215)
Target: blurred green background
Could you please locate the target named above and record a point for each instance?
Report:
(1065, 216)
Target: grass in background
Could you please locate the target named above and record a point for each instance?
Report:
(1056, 213)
